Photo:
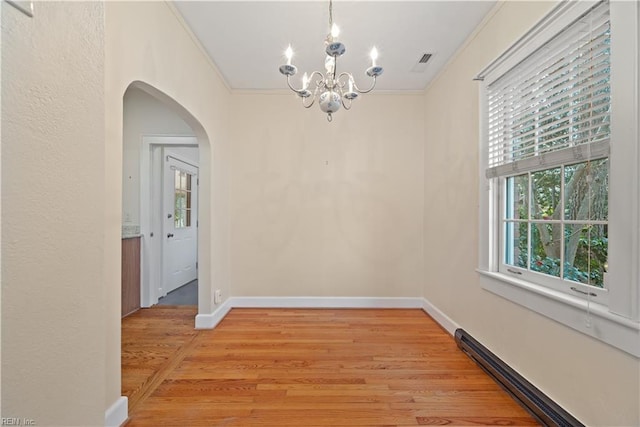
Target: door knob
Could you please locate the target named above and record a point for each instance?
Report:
(169, 235)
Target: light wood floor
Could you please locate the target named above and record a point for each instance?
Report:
(304, 368)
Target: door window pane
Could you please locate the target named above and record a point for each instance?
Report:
(182, 199)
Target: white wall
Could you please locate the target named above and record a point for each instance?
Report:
(327, 209)
(146, 41)
(53, 139)
(143, 116)
(189, 154)
(595, 382)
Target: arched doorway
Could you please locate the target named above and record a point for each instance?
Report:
(161, 171)
(159, 204)
(200, 139)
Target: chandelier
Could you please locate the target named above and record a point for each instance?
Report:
(331, 89)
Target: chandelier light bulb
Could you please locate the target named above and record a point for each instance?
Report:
(305, 81)
(374, 56)
(335, 31)
(289, 54)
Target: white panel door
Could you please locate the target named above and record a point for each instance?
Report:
(180, 223)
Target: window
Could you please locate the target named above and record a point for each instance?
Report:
(554, 223)
(182, 199)
(545, 115)
(560, 193)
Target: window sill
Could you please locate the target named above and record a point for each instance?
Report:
(568, 310)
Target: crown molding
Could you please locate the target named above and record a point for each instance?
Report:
(197, 43)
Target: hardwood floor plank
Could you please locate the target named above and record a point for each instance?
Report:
(151, 340)
(295, 367)
(352, 417)
(476, 421)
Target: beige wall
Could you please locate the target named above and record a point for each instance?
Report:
(327, 209)
(146, 42)
(317, 209)
(597, 383)
(0, 223)
(53, 291)
(62, 191)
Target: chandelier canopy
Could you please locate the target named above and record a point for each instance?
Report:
(331, 89)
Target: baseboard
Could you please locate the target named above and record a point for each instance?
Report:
(437, 315)
(118, 413)
(209, 321)
(325, 302)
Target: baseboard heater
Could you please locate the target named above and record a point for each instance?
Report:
(545, 410)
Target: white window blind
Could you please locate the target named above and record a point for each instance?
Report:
(554, 106)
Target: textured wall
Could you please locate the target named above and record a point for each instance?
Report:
(146, 42)
(1, 8)
(327, 209)
(597, 383)
(52, 182)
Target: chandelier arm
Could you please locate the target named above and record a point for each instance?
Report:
(343, 74)
(347, 106)
(319, 82)
(373, 85)
(313, 98)
(298, 91)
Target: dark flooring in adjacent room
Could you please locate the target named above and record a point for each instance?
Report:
(184, 295)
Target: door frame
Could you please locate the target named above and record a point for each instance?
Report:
(151, 247)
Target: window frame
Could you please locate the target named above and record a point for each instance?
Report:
(558, 283)
(617, 321)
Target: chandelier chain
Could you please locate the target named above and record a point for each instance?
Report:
(330, 14)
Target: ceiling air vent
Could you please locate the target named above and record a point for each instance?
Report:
(421, 65)
(425, 58)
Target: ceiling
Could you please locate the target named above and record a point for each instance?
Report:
(247, 39)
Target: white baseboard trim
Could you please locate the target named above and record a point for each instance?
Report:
(118, 413)
(325, 302)
(437, 315)
(209, 321)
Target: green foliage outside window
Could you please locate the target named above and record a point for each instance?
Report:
(577, 223)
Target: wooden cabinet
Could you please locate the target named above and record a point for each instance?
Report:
(130, 275)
